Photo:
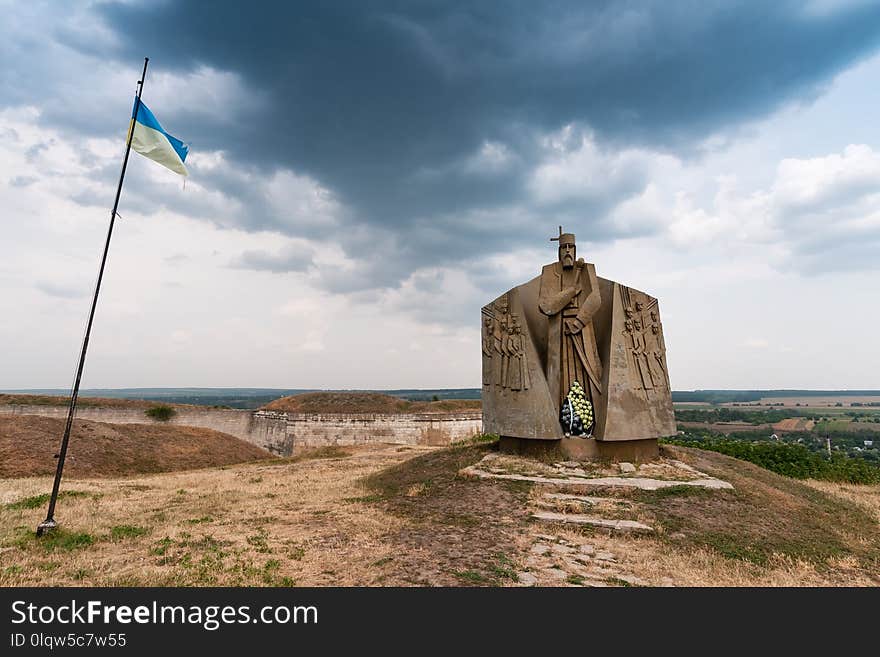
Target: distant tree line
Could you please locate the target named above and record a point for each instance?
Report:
(728, 396)
(727, 414)
(792, 459)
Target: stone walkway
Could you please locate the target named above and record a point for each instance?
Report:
(567, 476)
(560, 557)
(557, 561)
(580, 519)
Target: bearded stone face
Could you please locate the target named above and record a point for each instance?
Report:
(567, 255)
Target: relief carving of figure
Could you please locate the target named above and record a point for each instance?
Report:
(518, 366)
(569, 296)
(488, 345)
(499, 335)
(658, 351)
(641, 356)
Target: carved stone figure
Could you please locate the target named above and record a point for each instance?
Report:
(564, 327)
(488, 340)
(569, 296)
(517, 365)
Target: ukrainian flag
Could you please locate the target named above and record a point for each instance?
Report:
(150, 140)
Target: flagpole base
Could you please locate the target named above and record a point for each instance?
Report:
(48, 525)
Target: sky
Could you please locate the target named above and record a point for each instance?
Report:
(365, 176)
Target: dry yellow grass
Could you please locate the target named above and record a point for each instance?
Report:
(294, 522)
(99, 449)
(865, 496)
(390, 515)
(83, 402)
(367, 403)
(658, 564)
(770, 531)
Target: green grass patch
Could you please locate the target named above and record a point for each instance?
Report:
(160, 412)
(460, 519)
(58, 539)
(616, 581)
(259, 541)
(120, 532)
(37, 501)
(160, 547)
(440, 468)
(833, 425)
(477, 439)
(680, 490)
(503, 568)
(733, 547)
(472, 577)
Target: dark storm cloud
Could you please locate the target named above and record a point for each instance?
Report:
(371, 92)
(386, 104)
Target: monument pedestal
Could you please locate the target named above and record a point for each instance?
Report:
(582, 449)
(539, 449)
(590, 449)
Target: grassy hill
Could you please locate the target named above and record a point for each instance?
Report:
(365, 402)
(97, 449)
(389, 515)
(246, 398)
(82, 402)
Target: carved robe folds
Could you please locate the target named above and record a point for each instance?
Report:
(576, 352)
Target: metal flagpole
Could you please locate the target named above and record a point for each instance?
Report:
(49, 523)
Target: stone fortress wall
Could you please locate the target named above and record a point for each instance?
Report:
(282, 433)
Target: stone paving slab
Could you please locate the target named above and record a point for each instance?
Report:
(585, 499)
(556, 561)
(641, 483)
(580, 519)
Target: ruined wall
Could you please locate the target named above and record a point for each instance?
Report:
(283, 433)
(316, 430)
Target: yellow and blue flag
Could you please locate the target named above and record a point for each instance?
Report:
(150, 140)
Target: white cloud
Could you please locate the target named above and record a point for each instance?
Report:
(829, 182)
(492, 158)
(574, 168)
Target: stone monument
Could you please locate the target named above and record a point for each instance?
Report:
(575, 360)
